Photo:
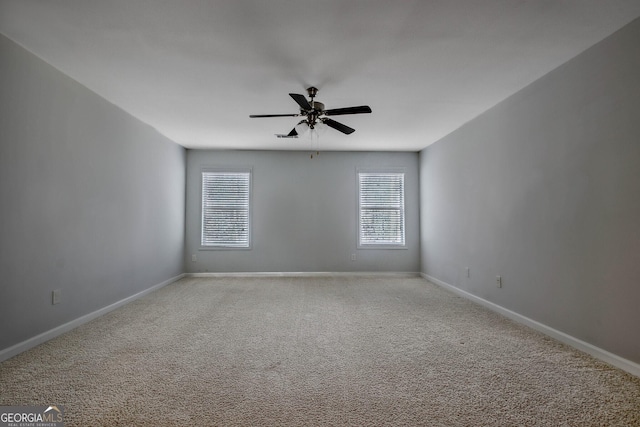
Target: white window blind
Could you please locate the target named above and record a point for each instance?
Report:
(381, 209)
(225, 209)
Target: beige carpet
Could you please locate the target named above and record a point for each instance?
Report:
(335, 350)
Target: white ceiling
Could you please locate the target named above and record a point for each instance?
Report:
(196, 69)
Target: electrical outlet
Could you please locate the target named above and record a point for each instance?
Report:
(499, 281)
(353, 257)
(55, 297)
(194, 258)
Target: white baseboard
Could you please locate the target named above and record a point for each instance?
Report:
(304, 274)
(603, 355)
(607, 357)
(52, 333)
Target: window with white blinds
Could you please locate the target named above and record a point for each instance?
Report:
(381, 209)
(225, 209)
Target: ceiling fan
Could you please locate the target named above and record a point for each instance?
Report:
(315, 113)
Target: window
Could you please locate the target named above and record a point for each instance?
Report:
(381, 209)
(225, 209)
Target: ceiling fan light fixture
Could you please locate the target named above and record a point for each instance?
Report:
(302, 127)
(319, 129)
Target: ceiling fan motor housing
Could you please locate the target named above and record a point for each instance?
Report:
(317, 106)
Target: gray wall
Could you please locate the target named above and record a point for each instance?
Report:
(544, 189)
(91, 200)
(304, 213)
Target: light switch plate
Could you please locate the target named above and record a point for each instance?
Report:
(55, 297)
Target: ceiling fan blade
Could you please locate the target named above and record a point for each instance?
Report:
(362, 109)
(254, 116)
(338, 126)
(292, 134)
(301, 100)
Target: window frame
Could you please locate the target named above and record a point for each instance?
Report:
(235, 170)
(381, 171)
